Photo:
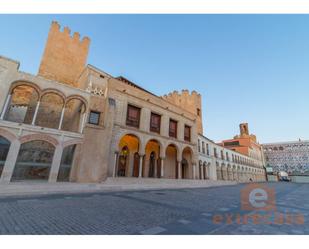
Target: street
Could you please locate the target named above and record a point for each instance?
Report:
(177, 211)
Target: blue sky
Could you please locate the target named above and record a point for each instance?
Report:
(249, 68)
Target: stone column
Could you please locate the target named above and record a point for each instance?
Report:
(162, 167)
(193, 171)
(61, 118)
(10, 162)
(53, 174)
(116, 158)
(140, 170)
(36, 112)
(155, 168)
(82, 123)
(202, 172)
(179, 169)
(6, 105)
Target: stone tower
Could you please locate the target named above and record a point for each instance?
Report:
(65, 56)
(244, 129)
(190, 102)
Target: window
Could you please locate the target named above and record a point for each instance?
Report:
(203, 147)
(198, 112)
(155, 122)
(173, 128)
(187, 135)
(94, 118)
(222, 155)
(227, 156)
(199, 145)
(133, 116)
(215, 152)
(207, 148)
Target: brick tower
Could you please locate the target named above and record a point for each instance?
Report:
(190, 102)
(64, 56)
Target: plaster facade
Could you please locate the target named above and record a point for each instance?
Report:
(75, 122)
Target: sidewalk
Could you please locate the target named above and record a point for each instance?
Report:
(111, 184)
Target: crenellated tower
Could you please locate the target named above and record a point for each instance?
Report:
(191, 102)
(65, 56)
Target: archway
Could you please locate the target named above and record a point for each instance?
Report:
(123, 161)
(4, 150)
(186, 163)
(22, 105)
(50, 109)
(34, 161)
(152, 165)
(128, 161)
(205, 170)
(219, 172)
(73, 114)
(170, 164)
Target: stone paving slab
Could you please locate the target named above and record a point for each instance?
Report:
(160, 212)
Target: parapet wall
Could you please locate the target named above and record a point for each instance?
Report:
(191, 102)
(65, 56)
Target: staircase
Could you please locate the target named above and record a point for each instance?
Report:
(160, 183)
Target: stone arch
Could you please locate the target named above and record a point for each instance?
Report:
(22, 102)
(129, 155)
(34, 159)
(39, 136)
(73, 114)
(172, 158)
(161, 154)
(25, 83)
(54, 91)
(75, 96)
(72, 142)
(153, 153)
(50, 109)
(187, 158)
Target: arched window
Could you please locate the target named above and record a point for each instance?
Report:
(72, 119)
(4, 150)
(66, 163)
(22, 105)
(34, 161)
(49, 112)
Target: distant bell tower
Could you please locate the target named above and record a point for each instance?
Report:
(244, 129)
(64, 56)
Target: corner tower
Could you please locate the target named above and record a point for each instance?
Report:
(190, 102)
(64, 56)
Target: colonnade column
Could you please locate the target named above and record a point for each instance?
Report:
(115, 163)
(202, 172)
(162, 167)
(193, 170)
(61, 118)
(140, 169)
(36, 112)
(10, 162)
(179, 169)
(53, 174)
(6, 105)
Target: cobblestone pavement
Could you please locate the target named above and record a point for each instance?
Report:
(177, 211)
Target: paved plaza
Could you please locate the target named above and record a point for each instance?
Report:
(164, 211)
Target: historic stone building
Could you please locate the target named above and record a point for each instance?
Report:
(74, 122)
(291, 157)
